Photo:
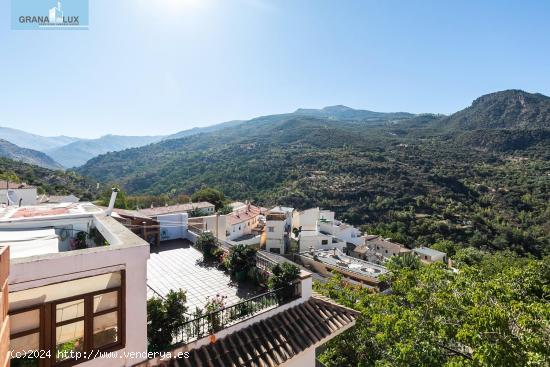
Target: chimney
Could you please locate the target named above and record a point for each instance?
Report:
(112, 202)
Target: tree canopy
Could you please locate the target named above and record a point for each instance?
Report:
(494, 312)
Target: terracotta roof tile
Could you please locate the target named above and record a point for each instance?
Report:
(275, 340)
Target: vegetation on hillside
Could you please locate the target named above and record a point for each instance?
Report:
(48, 181)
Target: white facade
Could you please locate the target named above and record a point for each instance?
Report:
(429, 255)
(277, 229)
(27, 195)
(241, 222)
(172, 226)
(320, 230)
(99, 290)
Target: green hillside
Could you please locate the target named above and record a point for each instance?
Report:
(409, 180)
(25, 155)
(54, 182)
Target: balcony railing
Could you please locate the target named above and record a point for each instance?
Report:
(213, 322)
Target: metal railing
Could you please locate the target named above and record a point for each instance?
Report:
(212, 322)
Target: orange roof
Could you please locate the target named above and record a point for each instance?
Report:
(34, 212)
(243, 215)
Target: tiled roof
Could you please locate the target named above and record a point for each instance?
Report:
(180, 208)
(242, 215)
(275, 340)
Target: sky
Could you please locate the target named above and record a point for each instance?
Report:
(161, 66)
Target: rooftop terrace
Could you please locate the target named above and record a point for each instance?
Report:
(176, 264)
(338, 259)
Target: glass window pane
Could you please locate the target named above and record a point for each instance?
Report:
(25, 343)
(69, 338)
(105, 329)
(24, 321)
(105, 301)
(69, 310)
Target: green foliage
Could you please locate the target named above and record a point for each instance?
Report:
(241, 258)
(445, 246)
(165, 317)
(206, 242)
(226, 209)
(47, 181)
(410, 182)
(282, 276)
(435, 317)
(213, 196)
(406, 261)
(121, 201)
(196, 212)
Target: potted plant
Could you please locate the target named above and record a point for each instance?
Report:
(241, 259)
(213, 305)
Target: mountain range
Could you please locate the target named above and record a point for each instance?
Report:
(31, 156)
(71, 152)
(478, 177)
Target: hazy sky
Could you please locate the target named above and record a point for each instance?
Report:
(160, 66)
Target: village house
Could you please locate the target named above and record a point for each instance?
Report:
(378, 249)
(245, 223)
(428, 255)
(77, 283)
(278, 226)
(316, 229)
(12, 193)
(355, 271)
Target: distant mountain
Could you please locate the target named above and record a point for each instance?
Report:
(509, 109)
(207, 129)
(14, 152)
(341, 112)
(33, 141)
(79, 152)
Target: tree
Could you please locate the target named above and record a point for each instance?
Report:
(121, 201)
(406, 261)
(196, 212)
(226, 209)
(436, 317)
(282, 277)
(206, 242)
(445, 246)
(165, 318)
(210, 195)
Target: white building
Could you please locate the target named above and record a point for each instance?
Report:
(278, 227)
(19, 193)
(429, 255)
(318, 229)
(243, 222)
(77, 283)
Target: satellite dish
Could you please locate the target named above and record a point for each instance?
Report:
(12, 197)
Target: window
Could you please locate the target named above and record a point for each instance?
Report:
(271, 229)
(84, 323)
(324, 242)
(275, 250)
